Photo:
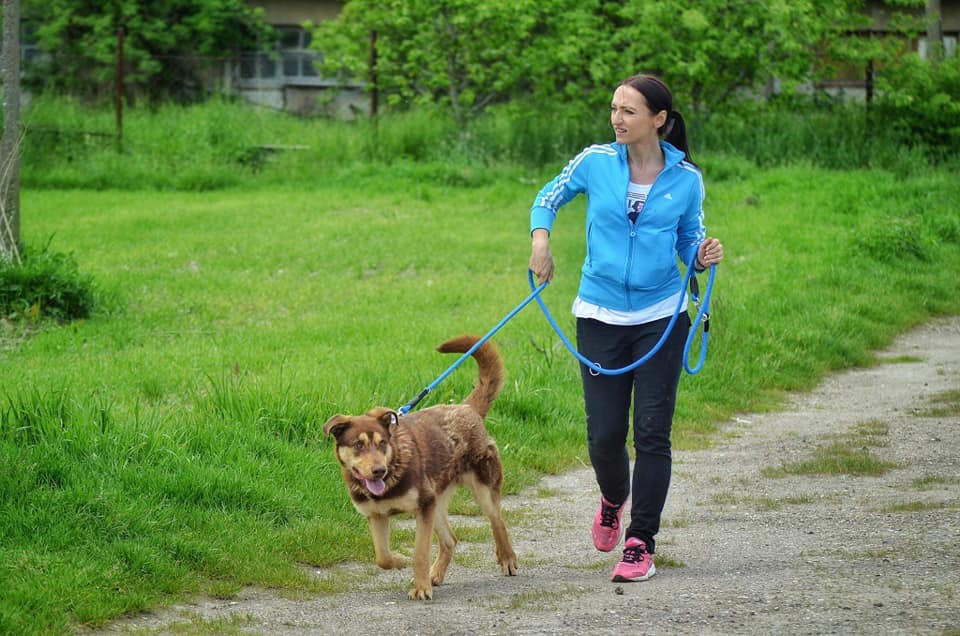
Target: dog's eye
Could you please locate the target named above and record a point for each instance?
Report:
(359, 446)
(382, 445)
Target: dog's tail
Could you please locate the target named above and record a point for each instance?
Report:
(490, 365)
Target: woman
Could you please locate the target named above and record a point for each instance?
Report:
(644, 209)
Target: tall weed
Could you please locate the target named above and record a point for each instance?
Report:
(227, 143)
(831, 135)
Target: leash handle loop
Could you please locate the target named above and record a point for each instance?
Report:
(702, 315)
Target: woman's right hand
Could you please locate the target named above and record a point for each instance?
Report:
(541, 260)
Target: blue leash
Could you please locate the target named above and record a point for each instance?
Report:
(703, 315)
(403, 410)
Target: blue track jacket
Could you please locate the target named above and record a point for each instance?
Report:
(629, 266)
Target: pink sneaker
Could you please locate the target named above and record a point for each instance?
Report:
(637, 563)
(606, 526)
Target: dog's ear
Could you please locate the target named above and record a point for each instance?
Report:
(387, 417)
(336, 425)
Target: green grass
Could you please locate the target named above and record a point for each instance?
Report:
(170, 444)
(663, 561)
(541, 600)
(193, 624)
(225, 144)
(846, 454)
(930, 482)
(834, 459)
(920, 506)
(770, 503)
(945, 404)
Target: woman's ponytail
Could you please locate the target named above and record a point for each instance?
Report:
(675, 133)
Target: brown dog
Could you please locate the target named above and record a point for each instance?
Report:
(413, 463)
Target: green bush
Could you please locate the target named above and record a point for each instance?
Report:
(896, 239)
(46, 284)
(920, 102)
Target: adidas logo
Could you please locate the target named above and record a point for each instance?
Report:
(668, 196)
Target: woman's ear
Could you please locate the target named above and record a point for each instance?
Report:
(660, 119)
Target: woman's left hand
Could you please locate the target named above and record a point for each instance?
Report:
(710, 252)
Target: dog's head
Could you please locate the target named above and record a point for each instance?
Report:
(363, 446)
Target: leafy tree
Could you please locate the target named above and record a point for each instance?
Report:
(165, 47)
(559, 54)
(855, 44)
(467, 54)
(713, 50)
(459, 53)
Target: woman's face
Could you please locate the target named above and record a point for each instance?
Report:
(631, 118)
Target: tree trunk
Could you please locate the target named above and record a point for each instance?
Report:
(10, 143)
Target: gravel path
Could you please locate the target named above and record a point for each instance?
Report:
(740, 552)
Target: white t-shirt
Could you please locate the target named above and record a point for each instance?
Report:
(636, 197)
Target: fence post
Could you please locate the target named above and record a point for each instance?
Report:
(374, 93)
(120, 89)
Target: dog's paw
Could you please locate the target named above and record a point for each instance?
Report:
(393, 561)
(421, 592)
(507, 559)
(438, 571)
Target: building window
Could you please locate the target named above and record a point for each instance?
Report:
(949, 46)
(292, 62)
(297, 57)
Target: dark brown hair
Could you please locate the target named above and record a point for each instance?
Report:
(659, 97)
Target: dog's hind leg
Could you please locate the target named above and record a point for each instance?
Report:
(446, 540)
(489, 501)
(380, 532)
(422, 589)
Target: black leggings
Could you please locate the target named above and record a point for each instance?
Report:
(653, 386)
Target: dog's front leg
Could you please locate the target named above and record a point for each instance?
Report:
(380, 532)
(422, 589)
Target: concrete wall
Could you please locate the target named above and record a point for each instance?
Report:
(297, 11)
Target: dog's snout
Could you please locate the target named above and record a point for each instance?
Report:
(379, 472)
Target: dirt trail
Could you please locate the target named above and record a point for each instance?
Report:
(741, 553)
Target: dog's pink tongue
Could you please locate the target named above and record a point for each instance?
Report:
(376, 486)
